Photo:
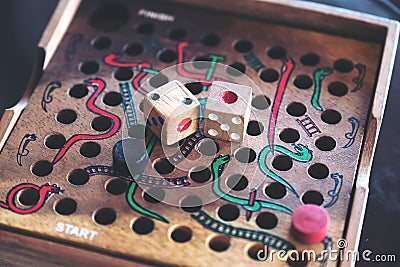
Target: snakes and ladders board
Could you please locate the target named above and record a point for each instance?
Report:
(80, 168)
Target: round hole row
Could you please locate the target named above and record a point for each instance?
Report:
(68, 116)
(243, 155)
(112, 17)
(45, 167)
(199, 174)
(228, 212)
(81, 90)
(324, 143)
(102, 216)
(107, 21)
(279, 52)
(329, 116)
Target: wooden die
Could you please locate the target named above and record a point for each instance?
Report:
(227, 111)
(171, 112)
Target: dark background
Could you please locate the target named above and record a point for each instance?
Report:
(22, 24)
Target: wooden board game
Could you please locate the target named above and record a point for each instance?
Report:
(321, 84)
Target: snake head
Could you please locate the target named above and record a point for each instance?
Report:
(30, 136)
(219, 163)
(327, 70)
(95, 82)
(222, 160)
(51, 188)
(299, 147)
(302, 149)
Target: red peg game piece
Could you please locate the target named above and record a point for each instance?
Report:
(310, 224)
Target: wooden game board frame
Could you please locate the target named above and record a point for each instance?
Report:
(285, 12)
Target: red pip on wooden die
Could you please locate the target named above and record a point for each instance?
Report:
(171, 112)
(227, 111)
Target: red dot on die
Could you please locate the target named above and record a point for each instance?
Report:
(310, 224)
(228, 97)
(184, 124)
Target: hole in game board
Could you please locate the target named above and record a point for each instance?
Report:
(101, 123)
(78, 91)
(201, 62)
(133, 49)
(318, 171)
(310, 59)
(200, 174)
(194, 87)
(145, 28)
(245, 155)
(269, 75)
(42, 168)
(112, 99)
(277, 52)
(255, 128)
(66, 116)
(123, 74)
(312, 197)
(236, 69)
(219, 243)
(78, 177)
(228, 212)
(296, 109)
(331, 116)
(141, 106)
(65, 206)
(211, 39)
(266, 220)
(237, 182)
(116, 186)
(289, 135)
(261, 102)
(343, 65)
(109, 18)
(54, 141)
(243, 46)
(104, 216)
(293, 260)
(191, 204)
(325, 143)
(208, 147)
(303, 81)
(163, 166)
(143, 226)
(275, 190)
(181, 234)
(101, 42)
(90, 149)
(137, 131)
(337, 88)
(253, 251)
(158, 80)
(89, 67)
(282, 163)
(28, 196)
(154, 195)
(177, 34)
(167, 55)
